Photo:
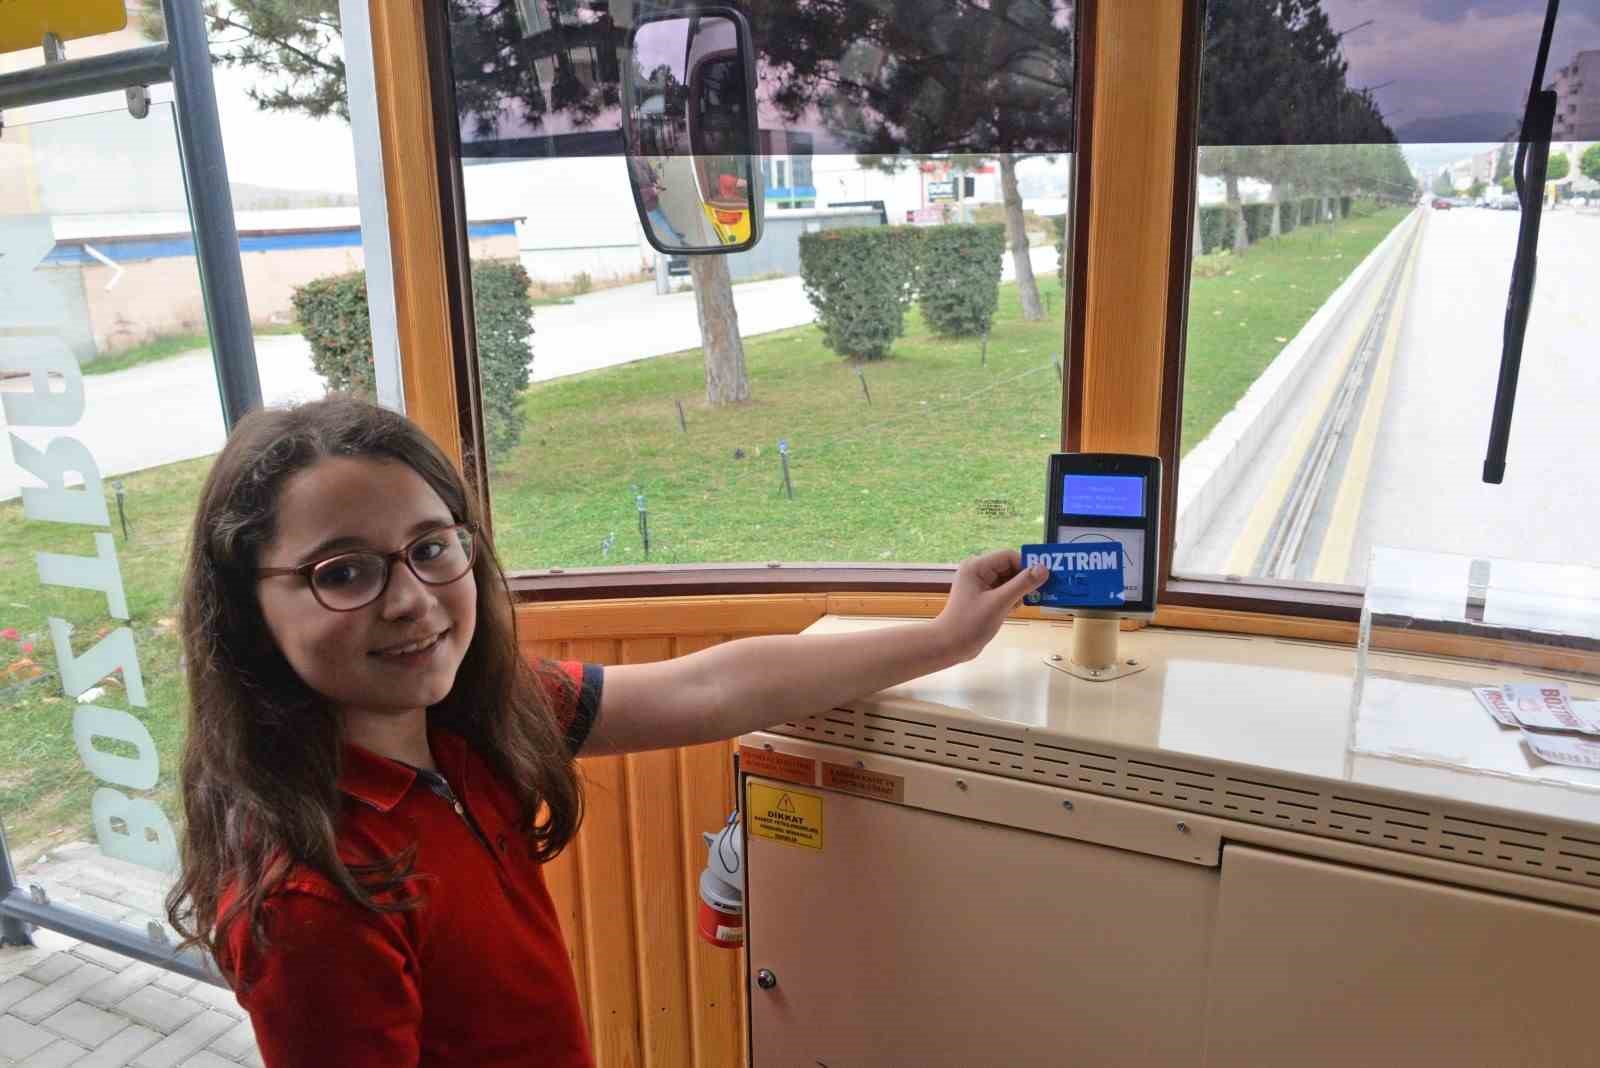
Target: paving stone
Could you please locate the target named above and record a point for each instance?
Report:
(185, 1042)
(85, 1024)
(18, 1038)
(217, 998)
(14, 960)
(59, 994)
(174, 982)
(52, 968)
(108, 993)
(207, 1059)
(236, 1041)
(106, 958)
(57, 1054)
(121, 1049)
(158, 1009)
(52, 941)
(15, 989)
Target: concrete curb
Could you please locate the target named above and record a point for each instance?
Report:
(1212, 468)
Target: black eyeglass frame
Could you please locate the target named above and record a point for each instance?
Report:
(403, 554)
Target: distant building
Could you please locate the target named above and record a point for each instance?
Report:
(1577, 87)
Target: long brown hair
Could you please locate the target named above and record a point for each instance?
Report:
(261, 761)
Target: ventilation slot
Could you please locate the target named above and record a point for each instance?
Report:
(1299, 803)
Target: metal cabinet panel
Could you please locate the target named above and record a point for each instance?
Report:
(917, 938)
(1320, 964)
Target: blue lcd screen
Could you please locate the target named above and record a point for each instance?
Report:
(1112, 495)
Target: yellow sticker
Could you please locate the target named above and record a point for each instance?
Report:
(779, 814)
(23, 23)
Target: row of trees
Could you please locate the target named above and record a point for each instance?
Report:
(1273, 76)
(918, 77)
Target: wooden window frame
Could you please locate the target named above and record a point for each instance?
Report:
(1137, 98)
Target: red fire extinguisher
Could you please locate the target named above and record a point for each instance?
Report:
(721, 915)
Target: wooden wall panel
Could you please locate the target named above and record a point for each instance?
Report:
(627, 888)
(416, 228)
(1137, 50)
(659, 842)
(716, 986)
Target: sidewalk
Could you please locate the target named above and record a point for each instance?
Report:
(168, 411)
(66, 1002)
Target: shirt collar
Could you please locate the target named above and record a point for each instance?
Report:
(380, 782)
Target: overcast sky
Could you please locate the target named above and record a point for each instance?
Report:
(1455, 57)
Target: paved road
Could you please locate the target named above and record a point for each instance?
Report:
(1421, 487)
(168, 411)
(1426, 488)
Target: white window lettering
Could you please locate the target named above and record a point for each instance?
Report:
(133, 829)
(88, 573)
(137, 772)
(39, 354)
(32, 302)
(55, 503)
(112, 653)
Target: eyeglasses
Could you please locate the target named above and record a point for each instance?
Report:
(348, 581)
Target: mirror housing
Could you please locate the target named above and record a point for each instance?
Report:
(689, 124)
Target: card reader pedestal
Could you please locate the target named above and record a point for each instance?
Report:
(1094, 652)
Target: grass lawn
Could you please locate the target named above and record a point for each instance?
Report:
(166, 347)
(947, 460)
(1244, 309)
(44, 789)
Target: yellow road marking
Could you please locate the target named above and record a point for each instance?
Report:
(1333, 562)
(1243, 558)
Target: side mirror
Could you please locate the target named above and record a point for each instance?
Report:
(689, 122)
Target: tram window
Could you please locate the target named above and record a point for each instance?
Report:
(1353, 248)
(661, 387)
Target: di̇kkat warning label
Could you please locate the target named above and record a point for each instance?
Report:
(778, 814)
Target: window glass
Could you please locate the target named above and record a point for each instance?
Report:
(689, 409)
(101, 296)
(1353, 250)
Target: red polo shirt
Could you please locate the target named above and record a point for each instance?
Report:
(479, 975)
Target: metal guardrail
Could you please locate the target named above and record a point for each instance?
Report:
(73, 78)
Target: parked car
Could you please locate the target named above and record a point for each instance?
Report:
(1510, 203)
(1441, 204)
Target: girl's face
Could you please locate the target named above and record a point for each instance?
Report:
(366, 661)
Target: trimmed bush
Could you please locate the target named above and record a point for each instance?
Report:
(1215, 234)
(958, 284)
(1345, 204)
(1289, 216)
(860, 279)
(334, 318)
(1060, 223)
(503, 317)
(1309, 215)
(1257, 222)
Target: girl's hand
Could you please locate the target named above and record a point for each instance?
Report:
(987, 588)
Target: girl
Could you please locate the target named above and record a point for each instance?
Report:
(374, 775)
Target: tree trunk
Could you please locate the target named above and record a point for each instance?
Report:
(1017, 236)
(1277, 214)
(727, 382)
(1241, 236)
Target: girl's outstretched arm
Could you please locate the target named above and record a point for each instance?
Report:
(752, 683)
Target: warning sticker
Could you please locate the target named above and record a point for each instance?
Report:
(866, 783)
(792, 817)
(770, 764)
